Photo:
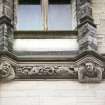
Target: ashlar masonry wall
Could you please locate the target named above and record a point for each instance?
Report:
(51, 93)
(99, 17)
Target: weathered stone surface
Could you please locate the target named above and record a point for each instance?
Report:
(88, 69)
(90, 72)
(98, 8)
(6, 71)
(6, 24)
(46, 71)
(84, 11)
(87, 37)
(52, 93)
(86, 27)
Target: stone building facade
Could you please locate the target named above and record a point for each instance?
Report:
(84, 69)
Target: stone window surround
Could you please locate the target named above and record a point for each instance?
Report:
(21, 67)
(47, 35)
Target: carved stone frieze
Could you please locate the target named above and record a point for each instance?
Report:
(45, 71)
(6, 71)
(87, 69)
(90, 72)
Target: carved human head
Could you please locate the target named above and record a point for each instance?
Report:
(5, 69)
(89, 66)
(5, 65)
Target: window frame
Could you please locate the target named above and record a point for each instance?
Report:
(45, 16)
(55, 34)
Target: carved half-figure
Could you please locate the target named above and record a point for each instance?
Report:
(90, 72)
(6, 71)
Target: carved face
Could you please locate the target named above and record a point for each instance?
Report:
(89, 66)
(5, 69)
(5, 66)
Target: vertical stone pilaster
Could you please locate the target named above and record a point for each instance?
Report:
(86, 27)
(6, 24)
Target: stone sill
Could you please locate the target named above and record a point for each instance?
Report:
(45, 34)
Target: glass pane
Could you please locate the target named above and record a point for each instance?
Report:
(29, 17)
(59, 17)
(45, 44)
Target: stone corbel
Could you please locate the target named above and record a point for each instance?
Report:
(7, 72)
(90, 72)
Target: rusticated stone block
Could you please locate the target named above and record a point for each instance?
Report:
(6, 24)
(87, 37)
(84, 11)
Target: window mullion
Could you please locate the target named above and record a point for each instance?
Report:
(44, 4)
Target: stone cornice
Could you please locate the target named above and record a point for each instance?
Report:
(51, 58)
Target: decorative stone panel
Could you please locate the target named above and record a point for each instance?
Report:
(46, 71)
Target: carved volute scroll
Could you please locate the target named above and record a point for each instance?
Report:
(6, 71)
(90, 72)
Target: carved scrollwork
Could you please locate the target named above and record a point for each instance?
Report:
(90, 72)
(6, 71)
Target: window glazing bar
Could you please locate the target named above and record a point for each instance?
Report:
(44, 4)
